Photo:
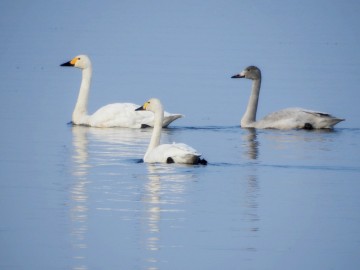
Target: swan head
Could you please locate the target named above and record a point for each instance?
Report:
(152, 105)
(251, 72)
(81, 61)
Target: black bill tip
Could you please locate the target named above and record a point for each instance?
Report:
(140, 109)
(67, 64)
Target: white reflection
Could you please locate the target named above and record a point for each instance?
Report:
(79, 197)
(163, 196)
(93, 147)
(109, 145)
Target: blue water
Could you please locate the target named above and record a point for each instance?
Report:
(79, 198)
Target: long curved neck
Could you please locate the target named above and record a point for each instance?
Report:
(80, 111)
(156, 134)
(250, 113)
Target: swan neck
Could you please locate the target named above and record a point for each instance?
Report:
(250, 113)
(80, 110)
(156, 134)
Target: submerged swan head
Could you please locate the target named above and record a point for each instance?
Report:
(152, 105)
(81, 61)
(251, 72)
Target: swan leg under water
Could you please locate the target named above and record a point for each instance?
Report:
(166, 153)
(290, 118)
(112, 115)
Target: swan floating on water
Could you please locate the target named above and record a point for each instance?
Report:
(290, 118)
(111, 115)
(166, 153)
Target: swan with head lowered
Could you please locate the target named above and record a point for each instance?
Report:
(290, 118)
(166, 153)
(111, 115)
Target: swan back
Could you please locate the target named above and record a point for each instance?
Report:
(173, 153)
(297, 118)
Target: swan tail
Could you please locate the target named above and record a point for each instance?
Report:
(168, 119)
(170, 160)
(197, 160)
(335, 121)
(189, 159)
(202, 161)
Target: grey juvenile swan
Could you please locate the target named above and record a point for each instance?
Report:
(290, 118)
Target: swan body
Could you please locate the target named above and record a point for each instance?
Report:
(290, 118)
(166, 153)
(112, 115)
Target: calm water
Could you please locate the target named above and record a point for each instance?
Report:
(267, 200)
(78, 198)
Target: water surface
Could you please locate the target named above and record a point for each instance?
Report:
(80, 198)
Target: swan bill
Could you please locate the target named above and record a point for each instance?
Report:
(143, 107)
(237, 76)
(70, 63)
(67, 64)
(140, 109)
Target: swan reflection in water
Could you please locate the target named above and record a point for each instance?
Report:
(160, 192)
(252, 188)
(94, 147)
(163, 198)
(79, 198)
(251, 144)
(263, 148)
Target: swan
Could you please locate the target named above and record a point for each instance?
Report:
(166, 153)
(111, 115)
(290, 118)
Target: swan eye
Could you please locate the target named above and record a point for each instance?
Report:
(78, 58)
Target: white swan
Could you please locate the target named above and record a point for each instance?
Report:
(166, 153)
(290, 118)
(112, 115)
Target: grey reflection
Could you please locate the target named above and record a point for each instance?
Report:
(283, 138)
(251, 202)
(163, 196)
(251, 143)
(251, 205)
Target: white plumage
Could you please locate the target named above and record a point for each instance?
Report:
(112, 115)
(166, 153)
(290, 118)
